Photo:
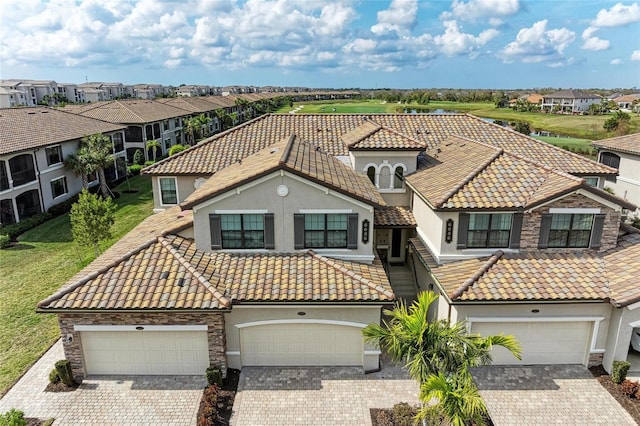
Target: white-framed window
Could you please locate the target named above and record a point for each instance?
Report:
(54, 155)
(398, 177)
(168, 190)
(591, 181)
(58, 187)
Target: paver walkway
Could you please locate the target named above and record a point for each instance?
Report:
(547, 395)
(107, 400)
(271, 396)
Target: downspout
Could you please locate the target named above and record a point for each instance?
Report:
(35, 161)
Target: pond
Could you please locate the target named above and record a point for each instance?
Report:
(430, 111)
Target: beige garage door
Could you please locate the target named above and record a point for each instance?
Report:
(301, 344)
(542, 342)
(148, 352)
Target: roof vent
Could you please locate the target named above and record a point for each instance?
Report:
(164, 275)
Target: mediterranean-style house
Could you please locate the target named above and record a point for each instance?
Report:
(622, 153)
(34, 143)
(569, 101)
(277, 241)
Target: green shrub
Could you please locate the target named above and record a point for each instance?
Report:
(135, 169)
(63, 367)
(619, 371)
(63, 207)
(54, 377)
(13, 417)
(138, 157)
(5, 240)
(16, 229)
(404, 414)
(214, 376)
(149, 163)
(176, 149)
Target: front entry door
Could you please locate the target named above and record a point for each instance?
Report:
(397, 243)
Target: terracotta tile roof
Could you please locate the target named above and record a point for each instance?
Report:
(424, 254)
(372, 136)
(629, 143)
(193, 104)
(525, 277)
(327, 130)
(28, 128)
(297, 157)
(391, 216)
(623, 271)
(485, 177)
(290, 277)
(155, 277)
(136, 111)
(572, 94)
(169, 273)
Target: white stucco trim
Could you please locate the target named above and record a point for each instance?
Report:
(239, 211)
(594, 334)
(301, 321)
(635, 324)
(325, 211)
(372, 353)
(627, 180)
(571, 210)
(175, 182)
(232, 353)
(634, 306)
(80, 327)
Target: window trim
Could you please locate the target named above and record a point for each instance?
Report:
(60, 156)
(215, 229)
(243, 245)
(299, 229)
(66, 187)
(488, 230)
(571, 230)
(162, 202)
(326, 231)
(515, 231)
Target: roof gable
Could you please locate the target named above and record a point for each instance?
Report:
(628, 143)
(371, 136)
(136, 111)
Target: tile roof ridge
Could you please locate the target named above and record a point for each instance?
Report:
(403, 135)
(475, 172)
(193, 271)
(369, 133)
(332, 263)
(96, 273)
(117, 101)
(287, 150)
(476, 276)
(84, 116)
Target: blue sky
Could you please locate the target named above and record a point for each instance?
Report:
(325, 43)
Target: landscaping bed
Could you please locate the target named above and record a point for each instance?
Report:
(632, 405)
(216, 405)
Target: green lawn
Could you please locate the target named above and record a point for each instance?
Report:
(578, 126)
(572, 144)
(36, 267)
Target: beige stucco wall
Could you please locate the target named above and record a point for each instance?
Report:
(627, 184)
(184, 184)
(621, 325)
(302, 196)
(358, 314)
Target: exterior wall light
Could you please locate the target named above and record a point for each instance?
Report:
(449, 231)
(365, 231)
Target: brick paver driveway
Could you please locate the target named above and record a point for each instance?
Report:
(544, 395)
(130, 400)
(270, 396)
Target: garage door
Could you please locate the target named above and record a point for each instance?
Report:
(301, 344)
(145, 352)
(542, 342)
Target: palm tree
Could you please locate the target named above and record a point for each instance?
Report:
(437, 354)
(78, 164)
(98, 151)
(223, 118)
(154, 146)
(459, 402)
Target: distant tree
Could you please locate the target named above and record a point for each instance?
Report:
(522, 127)
(98, 150)
(91, 220)
(154, 146)
(138, 157)
(618, 119)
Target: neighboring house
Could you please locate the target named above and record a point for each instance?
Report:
(145, 120)
(33, 145)
(626, 102)
(273, 242)
(90, 95)
(569, 101)
(71, 92)
(10, 98)
(109, 91)
(622, 153)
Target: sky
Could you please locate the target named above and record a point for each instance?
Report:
(405, 44)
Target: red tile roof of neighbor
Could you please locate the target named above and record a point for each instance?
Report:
(628, 143)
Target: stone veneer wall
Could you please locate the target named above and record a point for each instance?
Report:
(73, 350)
(595, 359)
(531, 223)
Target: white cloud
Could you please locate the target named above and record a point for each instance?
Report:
(592, 42)
(635, 55)
(401, 17)
(616, 61)
(474, 10)
(537, 44)
(454, 42)
(618, 15)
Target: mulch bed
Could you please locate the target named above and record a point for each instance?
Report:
(226, 396)
(632, 405)
(60, 387)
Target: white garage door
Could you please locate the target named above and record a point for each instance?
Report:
(542, 342)
(145, 352)
(301, 344)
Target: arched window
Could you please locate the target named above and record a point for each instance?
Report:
(398, 178)
(384, 179)
(610, 159)
(371, 173)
